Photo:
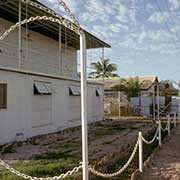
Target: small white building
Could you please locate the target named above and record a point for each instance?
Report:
(143, 105)
(39, 85)
(174, 104)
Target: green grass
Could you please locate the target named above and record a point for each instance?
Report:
(51, 164)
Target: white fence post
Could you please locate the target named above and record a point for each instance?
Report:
(159, 138)
(169, 125)
(174, 119)
(140, 152)
(178, 100)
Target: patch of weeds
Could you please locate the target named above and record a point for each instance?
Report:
(8, 149)
(19, 144)
(51, 156)
(48, 165)
(107, 142)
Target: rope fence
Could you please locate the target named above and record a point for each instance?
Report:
(139, 144)
(153, 139)
(97, 173)
(24, 176)
(55, 18)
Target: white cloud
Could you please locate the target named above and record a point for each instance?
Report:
(174, 3)
(105, 11)
(72, 4)
(158, 17)
(97, 10)
(116, 28)
(149, 7)
(126, 14)
(142, 37)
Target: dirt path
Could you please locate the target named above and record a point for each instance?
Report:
(104, 138)
(166, 164)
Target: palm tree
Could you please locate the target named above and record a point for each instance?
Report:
(131, 86)
(103, 68)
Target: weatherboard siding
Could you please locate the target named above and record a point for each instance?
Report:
(42, 54)
(21, 119)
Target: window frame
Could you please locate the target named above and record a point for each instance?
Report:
(42, 88)
(75, 91)
(99, 93)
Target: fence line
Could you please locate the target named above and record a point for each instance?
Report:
(139, 143)
(91, 169)
(153, 139)
(24, 176)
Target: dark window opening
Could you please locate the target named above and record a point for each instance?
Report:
(3, 96)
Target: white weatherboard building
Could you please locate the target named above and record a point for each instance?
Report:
(142, 105)
(39, 85)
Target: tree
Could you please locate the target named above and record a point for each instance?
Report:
(131, 87)
(103, 68)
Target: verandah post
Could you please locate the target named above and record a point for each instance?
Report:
(174, 119)
(169, 125)
(84, 105)
(158, 115)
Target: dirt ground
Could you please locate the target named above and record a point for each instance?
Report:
(104, 137)
(166, 164)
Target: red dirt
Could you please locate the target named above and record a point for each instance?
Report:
(166, 163)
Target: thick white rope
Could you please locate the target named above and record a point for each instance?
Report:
(60, 20)
(153, 139)
(97, 173)
(24, 176)
(66, 23)
(49, 11)
(74, 170)
(166, 127)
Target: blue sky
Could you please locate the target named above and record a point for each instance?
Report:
(144, 34)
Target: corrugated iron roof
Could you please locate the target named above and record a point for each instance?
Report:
(146, 81)
(9, 11)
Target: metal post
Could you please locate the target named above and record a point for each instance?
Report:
(27, 45)
(159, 121)
(103, 85)
(60, 51)
(140, 152)
(158, 103)
(19, 39)
(84, 105)
(119, 97)
(154, 106)
(174, 119)
(159, 137)
(178, 100)
(169, 125)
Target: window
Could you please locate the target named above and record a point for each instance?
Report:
(42, 88)
(98, 92)
(3, 96)
(74, 91)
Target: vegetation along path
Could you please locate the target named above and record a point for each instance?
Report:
(166, 163)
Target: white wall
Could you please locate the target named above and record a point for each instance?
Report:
(145, 103)
(18, 118)
(174, 104)
(41, 54)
